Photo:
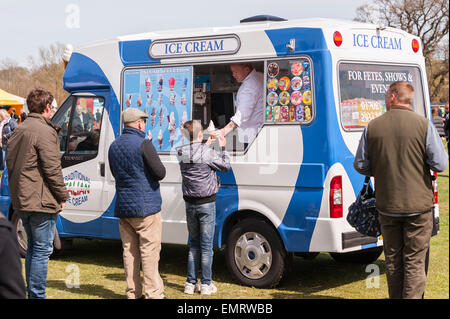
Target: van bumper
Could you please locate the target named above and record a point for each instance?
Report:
(354, 238)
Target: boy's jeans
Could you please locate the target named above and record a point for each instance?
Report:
(40, 230)
(201, 221)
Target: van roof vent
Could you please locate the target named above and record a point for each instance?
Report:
(262, 18)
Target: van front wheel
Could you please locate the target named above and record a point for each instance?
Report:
(22, 237)
(255, 255)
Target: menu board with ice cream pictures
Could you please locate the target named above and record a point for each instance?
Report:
(165, 95)
(288, 91)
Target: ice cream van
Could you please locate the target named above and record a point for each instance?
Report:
(290, 187)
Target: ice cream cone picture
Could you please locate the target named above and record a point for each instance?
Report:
(139, 101)
(307, 113)
(149, 135)
(172, 98)
(161, 116)
(160, 139)
(171, 83)
(183, 99)
(211, 129)
(160, 83)
(159, 99)
(182, 121)
(172, 127)
(153, 117)
(149, 99)
(185, 83)
(277, 113)
(292, 112)
(148, 84)
(300, 113)
(128, 101)
(284, 113)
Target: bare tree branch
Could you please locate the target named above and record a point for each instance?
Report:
(427, 19)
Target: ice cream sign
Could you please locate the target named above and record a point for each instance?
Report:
(220, 45)
(78, 186)
(377, 41)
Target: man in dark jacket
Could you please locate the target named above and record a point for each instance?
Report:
(399, 148)
(36, 186)
(11, 280)
(137, 170)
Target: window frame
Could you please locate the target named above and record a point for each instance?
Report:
(225, 61)
(361, 62)
(68, 158)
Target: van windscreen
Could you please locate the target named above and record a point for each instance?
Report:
(363, 87)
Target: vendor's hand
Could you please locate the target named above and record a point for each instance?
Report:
(222, 140)
(222, 132)
(209, 141)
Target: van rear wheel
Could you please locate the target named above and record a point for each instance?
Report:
(255, 255)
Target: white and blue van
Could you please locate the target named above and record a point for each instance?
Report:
(289, 189)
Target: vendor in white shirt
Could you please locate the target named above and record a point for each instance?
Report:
(249, 114)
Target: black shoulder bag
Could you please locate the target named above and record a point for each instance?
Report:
(362, 214)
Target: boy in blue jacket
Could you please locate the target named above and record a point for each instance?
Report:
(200, 184)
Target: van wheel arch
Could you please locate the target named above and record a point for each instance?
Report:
(239, 216)
(264, 241)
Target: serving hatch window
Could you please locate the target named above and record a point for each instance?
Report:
(363, 88)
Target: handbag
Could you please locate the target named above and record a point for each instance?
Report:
(362, 214)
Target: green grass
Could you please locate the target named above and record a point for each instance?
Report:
(102, 276)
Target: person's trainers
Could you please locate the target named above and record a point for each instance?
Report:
(208, 289)
(191, 288)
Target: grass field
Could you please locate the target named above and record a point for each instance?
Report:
(101, 275)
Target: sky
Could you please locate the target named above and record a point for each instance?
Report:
(27, 25)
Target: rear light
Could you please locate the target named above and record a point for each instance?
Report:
(336, 199)
(337, 38)
(415, 45)
(435, 188)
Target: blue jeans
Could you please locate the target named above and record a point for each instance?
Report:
(201, 221)
(40, 230)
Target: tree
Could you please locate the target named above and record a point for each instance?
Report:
(427, 19)
(48, 69)
(45, 71)
(14, 78)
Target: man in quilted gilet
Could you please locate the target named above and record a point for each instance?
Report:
(137, 170)
(399, 148)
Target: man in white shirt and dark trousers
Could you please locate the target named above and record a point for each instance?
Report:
(249, 114)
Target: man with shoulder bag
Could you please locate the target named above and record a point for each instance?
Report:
(399, 148)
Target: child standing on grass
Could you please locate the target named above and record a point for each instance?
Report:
(198, 164)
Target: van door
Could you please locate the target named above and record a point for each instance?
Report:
(83, 161)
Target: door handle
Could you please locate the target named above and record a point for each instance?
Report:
(102, 169)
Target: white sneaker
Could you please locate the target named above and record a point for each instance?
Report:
(208, 289)
(191, 288)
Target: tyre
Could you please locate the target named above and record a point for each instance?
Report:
(359, 257)
(255, 255)
(22, 238)
(21, 234)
